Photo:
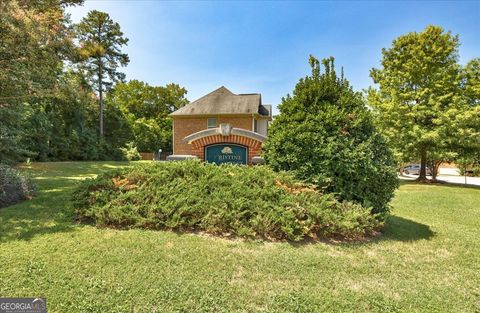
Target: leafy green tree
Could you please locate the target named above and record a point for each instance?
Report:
(64, 126)
(11, 133)
(35, 39)
(120, 132)
(466, 127)
(39, 132)
(142, 100)
(419, 95)
(469, 143)
(471, 74)
(58, 125)
(100, 50)
(325, 134)
(147, 110)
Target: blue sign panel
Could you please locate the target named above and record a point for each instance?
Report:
(226, 153)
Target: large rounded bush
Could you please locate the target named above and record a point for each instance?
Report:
(228, 200)
(14, 187)
(326, 136)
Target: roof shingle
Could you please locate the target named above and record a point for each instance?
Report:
(223, 101)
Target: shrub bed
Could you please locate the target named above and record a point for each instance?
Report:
(224, 200)
(14, 187)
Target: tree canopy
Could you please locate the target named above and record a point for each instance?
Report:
(325, 134)
(471, 82)
(35, 39)
(420, 102)
(147, 110)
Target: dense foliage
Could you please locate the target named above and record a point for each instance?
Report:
(426, 104)
(64, 126)
(35, 40)
(146, 109)
(14, 187)
(52, 75)
(47, 111)
(226, 200)
(471, 82)
(325, 135)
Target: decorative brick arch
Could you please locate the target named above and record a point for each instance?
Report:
(254, 146)
(225, 134)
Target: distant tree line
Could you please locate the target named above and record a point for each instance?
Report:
(61, 94)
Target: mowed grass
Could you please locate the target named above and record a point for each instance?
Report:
(427, 260)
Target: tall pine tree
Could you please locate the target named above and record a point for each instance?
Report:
(100, 50)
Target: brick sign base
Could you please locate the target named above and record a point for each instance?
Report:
(254, 146)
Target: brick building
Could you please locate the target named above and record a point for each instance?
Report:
(221, 127)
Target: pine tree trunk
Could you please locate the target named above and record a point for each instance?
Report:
(101, 113)
(100, 83)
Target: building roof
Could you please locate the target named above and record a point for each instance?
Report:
(223, 101)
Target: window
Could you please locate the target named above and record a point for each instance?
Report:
(255, 126)
(211, 123)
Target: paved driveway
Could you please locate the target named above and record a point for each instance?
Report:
(454, 179)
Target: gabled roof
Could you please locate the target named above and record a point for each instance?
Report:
(223, 101)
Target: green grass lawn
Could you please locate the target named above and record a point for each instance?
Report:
(428, 260)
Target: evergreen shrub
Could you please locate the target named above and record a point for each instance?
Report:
(234, 200)
(326, 135)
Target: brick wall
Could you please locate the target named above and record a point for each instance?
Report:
(183, 127)
(254, 146)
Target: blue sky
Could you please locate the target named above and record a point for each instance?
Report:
(251, 46)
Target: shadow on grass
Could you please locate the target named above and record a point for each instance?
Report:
(402, 229)
(44, 214)
(48, 212)
(396, 229)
